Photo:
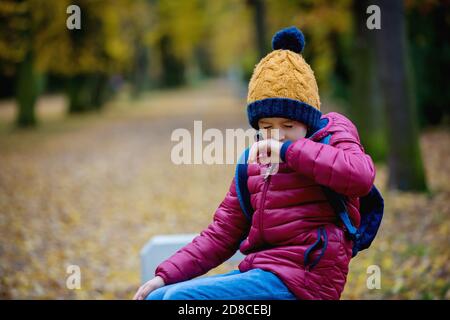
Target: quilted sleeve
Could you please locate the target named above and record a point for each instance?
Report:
(342, 165)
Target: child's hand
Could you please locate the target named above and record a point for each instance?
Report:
(149, 286)
(265, 151)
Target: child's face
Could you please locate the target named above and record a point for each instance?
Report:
(288, 129)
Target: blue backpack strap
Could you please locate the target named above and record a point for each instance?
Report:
(241, 178)
(338, 203)
(326, 140)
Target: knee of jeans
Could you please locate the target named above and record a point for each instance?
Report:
(180, 293)
(157, 294)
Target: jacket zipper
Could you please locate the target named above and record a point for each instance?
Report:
(263, 199)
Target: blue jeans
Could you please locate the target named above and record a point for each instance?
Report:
(255, 284)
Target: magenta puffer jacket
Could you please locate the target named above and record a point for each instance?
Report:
(294, 232)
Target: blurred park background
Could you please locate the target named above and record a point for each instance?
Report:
(86, 117)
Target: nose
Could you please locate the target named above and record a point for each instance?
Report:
(277, 134)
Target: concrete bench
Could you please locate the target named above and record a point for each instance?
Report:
(161, 247)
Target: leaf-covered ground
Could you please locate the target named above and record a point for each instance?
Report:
(91, 190)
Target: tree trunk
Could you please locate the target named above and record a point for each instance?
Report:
(366, 103)
(406, 170)
(78, 94)
(428, 26)
(259, 16)
(29, 85)
(87, 92)
(172, 67)
(140, 73)
(99, 91)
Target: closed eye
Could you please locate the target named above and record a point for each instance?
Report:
(267, 127)
(288, 126)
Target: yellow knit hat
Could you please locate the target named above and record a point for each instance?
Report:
(283, 84)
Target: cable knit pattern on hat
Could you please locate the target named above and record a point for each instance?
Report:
(284, 74)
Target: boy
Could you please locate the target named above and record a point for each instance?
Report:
(295, 246)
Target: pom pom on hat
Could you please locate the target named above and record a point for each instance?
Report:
(289, 39)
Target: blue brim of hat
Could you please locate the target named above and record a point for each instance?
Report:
(284, 108)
